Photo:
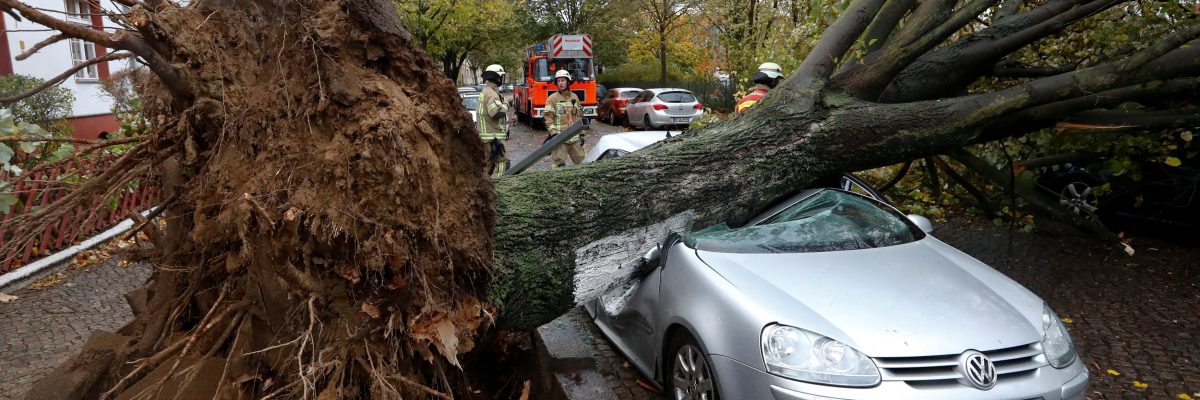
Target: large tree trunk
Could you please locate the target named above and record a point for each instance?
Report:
(329, 228)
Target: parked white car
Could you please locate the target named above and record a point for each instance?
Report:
(657, 108)
(620, 144)
(471, 102)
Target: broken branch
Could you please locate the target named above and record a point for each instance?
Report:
(40, 45)
(63, 76)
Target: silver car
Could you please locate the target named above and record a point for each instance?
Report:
(834, 294)
(657, 108)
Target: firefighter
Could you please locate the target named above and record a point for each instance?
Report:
(765, 79)
(562, 110)
(492, 117)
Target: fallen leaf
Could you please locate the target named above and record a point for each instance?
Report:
(1184, 396)
(1128, 249)
(47, 282)
(1186, 136)
(1173, 161)
(1140, 385)
(4, 298)
(1114, 372)
(650, 388)
(1066, 320)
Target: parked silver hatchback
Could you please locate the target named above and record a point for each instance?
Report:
(659, 108)
(834, 294)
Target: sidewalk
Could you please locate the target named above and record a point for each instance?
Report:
(45, 326)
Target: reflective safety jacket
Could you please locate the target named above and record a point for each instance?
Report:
(751, 99)
(491, 114)
(562, 110)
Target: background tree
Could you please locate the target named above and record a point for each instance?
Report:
(609, 22)
(689, 44)
(48, 108)
(453, 31)
(355, 258)
(665, 16)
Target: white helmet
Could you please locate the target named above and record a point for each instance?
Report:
(495, 68)
(772, 70)
(562, 73)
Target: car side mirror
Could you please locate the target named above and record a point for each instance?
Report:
(650, 261)
(921, 222)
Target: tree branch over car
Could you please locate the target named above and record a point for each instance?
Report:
(333, 232)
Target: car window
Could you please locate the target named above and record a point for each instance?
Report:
(676, 97)
(830, 220)
(471, 102)
(645, 96)
(629, 94)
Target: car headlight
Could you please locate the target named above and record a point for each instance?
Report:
(1056, 342)
(802, 355)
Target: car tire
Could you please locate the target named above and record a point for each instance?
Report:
(646, 123)
(699, 383)
(1077, 195)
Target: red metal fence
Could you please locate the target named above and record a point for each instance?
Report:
(43, 188)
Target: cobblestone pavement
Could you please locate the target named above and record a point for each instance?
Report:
(1136, 316)
(43, 327)
(523, 140)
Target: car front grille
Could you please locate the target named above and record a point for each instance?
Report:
(1011, 363)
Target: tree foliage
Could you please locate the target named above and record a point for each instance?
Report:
(453, 31)
(49, 108)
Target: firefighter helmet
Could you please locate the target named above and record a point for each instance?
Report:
(772, 70)
(562, 73)
(494, 73)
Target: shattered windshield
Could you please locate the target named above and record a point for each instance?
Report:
(830, 220)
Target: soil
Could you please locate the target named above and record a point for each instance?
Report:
(328, 223)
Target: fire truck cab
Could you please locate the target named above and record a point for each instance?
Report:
(561, 52)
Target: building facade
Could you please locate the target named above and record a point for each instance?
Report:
(92, 115)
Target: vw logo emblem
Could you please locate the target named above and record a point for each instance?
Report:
(978, 370)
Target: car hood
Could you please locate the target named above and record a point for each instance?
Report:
(918, 299)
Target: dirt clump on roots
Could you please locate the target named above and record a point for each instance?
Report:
(327, 220)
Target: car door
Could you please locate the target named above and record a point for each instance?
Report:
(603, 100)
(630, 315)
(636, 111)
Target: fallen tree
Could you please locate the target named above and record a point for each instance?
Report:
(329, 231)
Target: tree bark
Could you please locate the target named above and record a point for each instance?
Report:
(335, 234)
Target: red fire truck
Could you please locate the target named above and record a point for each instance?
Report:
(542, 60)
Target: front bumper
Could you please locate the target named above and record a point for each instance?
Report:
(741, 381)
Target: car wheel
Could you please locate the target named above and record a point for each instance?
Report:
(646, 123)
(689, 375)
(1079, 197)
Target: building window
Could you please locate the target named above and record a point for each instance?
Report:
(81, 51)
(78, 10)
